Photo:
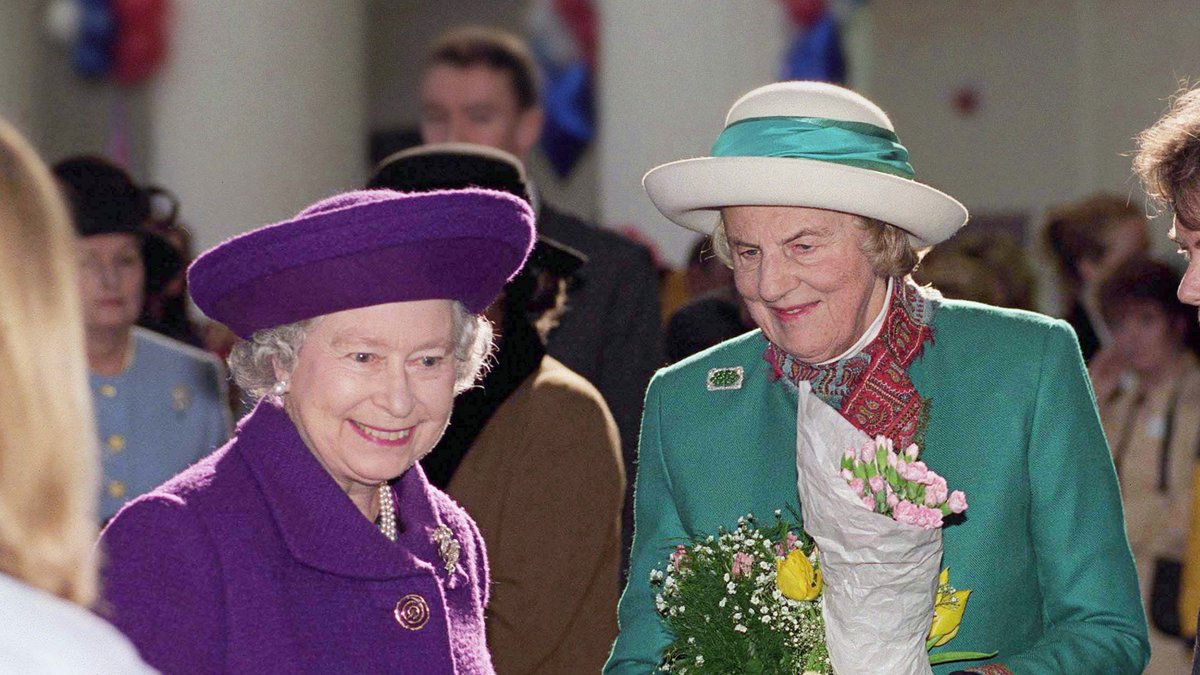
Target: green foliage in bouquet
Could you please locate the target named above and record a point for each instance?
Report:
(744, 601)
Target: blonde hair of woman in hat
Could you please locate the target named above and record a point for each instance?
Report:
(313, 538)
(47, 448)
(811, 199)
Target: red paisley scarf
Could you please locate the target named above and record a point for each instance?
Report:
(871, 388)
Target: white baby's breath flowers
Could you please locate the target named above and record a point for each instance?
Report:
(729, 579)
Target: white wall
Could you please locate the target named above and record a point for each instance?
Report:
(1065, 85)
(18, 56)
(261, 111)
(670, 71)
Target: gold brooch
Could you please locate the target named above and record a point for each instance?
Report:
(447, 547)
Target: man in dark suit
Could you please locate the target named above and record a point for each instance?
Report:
(481, 86)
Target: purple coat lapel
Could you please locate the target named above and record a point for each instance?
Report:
(320, 526)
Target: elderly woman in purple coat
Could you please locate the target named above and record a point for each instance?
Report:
(311, 542)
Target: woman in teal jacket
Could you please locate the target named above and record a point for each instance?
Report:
(810, 198)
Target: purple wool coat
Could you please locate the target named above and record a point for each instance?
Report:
(254, 561)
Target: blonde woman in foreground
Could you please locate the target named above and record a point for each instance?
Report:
(48, 460)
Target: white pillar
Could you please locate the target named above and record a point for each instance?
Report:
(669, 70)
(20, 32)
(260, 110)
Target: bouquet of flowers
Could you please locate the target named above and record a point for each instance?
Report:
(897, 484)
(744, 601)
(880, 573)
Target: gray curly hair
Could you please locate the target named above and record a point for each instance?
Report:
(252, 362)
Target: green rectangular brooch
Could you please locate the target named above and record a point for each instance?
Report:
(721, 379)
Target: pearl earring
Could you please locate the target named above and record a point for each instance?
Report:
(280, 388)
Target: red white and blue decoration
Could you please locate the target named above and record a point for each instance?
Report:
(815, 51)
(563, 36)
(125, 40)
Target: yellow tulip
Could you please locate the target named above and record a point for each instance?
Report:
(947, 611)
(796, 578)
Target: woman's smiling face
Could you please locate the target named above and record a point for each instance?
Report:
(804, 277)
(372, 389)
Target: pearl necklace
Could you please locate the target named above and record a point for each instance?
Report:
(387, 512)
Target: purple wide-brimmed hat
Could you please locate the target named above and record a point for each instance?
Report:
(365, 248)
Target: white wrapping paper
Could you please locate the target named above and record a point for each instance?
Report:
(880, 575)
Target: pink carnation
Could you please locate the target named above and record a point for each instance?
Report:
(846, 473)
(742, 564)
(885, 442)
(876, 483)
(919, 516)
(869, 502)
(935, 489)
(892, 460)
(907, 512)
(892, 498)
(930, 518)
(856, 484)
(912, 451)
(784, 548)
(957, 502)
(915, 471)
(679, 556)
(868, 452)
(849, 454)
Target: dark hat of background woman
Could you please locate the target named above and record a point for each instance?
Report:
(450, 166)
(105, 200)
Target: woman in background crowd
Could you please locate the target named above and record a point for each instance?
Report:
(533, 454)
(312, 541)
(1147, 382)
(47, 446)
(713, 313)
(160, 404)
(1087, 240)
(982, 266)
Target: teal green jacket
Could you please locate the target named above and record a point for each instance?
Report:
(1013, 423)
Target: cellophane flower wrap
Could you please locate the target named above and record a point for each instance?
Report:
(880, 575)
(745, 600)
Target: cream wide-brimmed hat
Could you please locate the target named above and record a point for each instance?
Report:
(808, 144)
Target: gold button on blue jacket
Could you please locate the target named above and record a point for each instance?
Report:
(162, 414)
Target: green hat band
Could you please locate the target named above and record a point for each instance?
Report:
(857, 144)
